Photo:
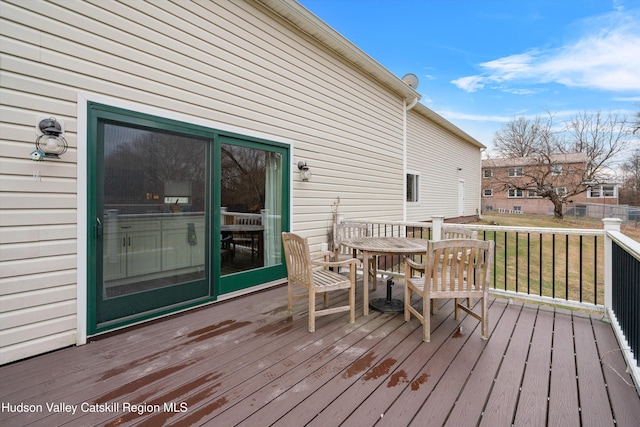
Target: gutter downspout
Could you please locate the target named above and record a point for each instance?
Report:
(405, 107)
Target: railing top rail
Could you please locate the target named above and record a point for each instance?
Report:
(542, 230)
(629, 245)
(382, 222)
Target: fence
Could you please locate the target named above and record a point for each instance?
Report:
(540, 206)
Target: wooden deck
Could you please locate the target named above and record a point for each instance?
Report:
(247, 362)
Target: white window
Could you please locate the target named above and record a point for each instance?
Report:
(602, 191)
(488, 192)
(515, 192)
(516, 172)
(532, 194)
(413, 187)
(517, 208)
(560, 191)
(556, 170)
(488, 173)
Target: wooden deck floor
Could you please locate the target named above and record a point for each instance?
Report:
(247, 362)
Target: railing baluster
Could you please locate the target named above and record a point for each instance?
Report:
(595, 269)
(540, 267)
(553, 266)
(580, 274)
(566, 267)
(506, 261)
(517, 266)
(528, 263)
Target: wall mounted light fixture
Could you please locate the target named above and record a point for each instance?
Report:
(305, 173)
(50, 143)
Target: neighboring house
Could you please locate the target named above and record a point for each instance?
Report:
(186, 123)
(497, 196)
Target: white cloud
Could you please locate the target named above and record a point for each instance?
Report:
(470, 84)
(607, 58)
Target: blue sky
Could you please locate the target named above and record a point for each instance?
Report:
(482, 63)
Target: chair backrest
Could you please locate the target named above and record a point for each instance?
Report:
(298, 260)
(459, 265)
(248, 219)
(345, 231)
(457, 232)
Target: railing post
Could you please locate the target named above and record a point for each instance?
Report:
(437, 221)
(610, 224)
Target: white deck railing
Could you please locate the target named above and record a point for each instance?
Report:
(585, 280)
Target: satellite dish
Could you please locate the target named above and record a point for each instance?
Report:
(411, 80)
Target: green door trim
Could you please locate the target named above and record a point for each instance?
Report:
(217, 284)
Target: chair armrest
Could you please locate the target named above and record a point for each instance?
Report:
(346, 262)
(326, 256)
(415, 265)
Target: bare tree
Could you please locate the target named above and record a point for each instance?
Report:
(630, 191)
(521, 137)
(559, 160)
(635, 125)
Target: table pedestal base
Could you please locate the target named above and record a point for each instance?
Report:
(387, 305)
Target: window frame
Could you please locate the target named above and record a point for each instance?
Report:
(414, 188)
(517, 193)
(515, 172)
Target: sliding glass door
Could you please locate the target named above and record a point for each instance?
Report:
(178, 215)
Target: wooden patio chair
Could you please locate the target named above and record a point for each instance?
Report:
(458, 269)
(457, 232)
(316, 278)
(350, 230)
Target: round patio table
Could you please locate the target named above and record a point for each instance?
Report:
(373, 246)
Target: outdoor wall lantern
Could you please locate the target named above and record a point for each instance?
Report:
(50, 143)
(305, 173)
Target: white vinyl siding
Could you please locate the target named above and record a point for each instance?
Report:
(223, 63)
(426, 155)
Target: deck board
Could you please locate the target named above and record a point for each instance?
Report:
(593, 398)
(248, 362)
(532, 405)
(564, 408)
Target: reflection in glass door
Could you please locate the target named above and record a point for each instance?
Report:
(251, 208)
(152, 207)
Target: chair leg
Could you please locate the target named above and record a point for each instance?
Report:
(426, 321)
(326, 299)
(407, 301)
(456, 308)
(374, 272)
(312, 311)
(352, 304)
(485, 319)
(290, 298)
(434, 306)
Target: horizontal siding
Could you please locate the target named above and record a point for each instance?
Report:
(44, 344)
(23, 284)
(439, 170)
(228, 62)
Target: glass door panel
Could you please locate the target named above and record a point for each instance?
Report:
(152, 207)
(251, 208)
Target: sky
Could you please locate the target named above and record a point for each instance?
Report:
(483, 63)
